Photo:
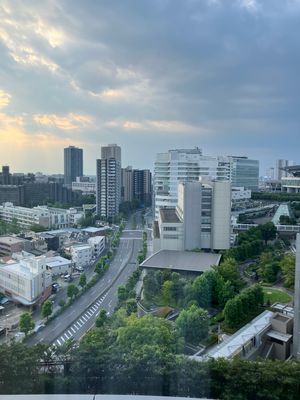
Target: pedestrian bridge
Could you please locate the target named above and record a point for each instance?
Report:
(280, 228)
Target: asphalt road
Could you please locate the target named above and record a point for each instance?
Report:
(81, 315)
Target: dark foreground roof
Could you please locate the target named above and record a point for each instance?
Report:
(87, 397)
(182, 260)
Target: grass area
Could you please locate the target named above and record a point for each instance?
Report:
(274, 295)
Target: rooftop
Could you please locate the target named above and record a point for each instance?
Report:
(168, 215)
(56, 261)
(182, 260)
(11, 240)
(92, 229)
(234, 343)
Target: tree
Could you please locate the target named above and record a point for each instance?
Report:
(26, 323)
(82, 280)
(287, 265)
(72, 291)
(101, 319)
(193, 324)
(166, 292)
(131, 306)
(230, 272)
(122, 293)
(268, 231)
(37, 228)
(47, 309)
(268, 267)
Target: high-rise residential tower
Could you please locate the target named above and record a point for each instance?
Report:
(108, 187)
(73, 164)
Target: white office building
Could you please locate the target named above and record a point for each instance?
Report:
(25, 281)
(183, 165)
(81, 255)
(84, 187)
(201, 219)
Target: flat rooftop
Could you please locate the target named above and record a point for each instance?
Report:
(92, 229)
(57, 261)
(182, 260)
(9, 240)
(168, 215)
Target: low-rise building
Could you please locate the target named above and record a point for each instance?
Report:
(12, 244)
(50, 218)
(58, 265)
(240, 198)
(26, 281)
(98, 245)
(81, 255)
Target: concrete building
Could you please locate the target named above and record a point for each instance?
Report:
(26, 281)
(127, 184)
(12, 193)
(201, 218)
(81, 255)
(49, 217)
(84, 187)
(136, 185)
(12, 244)
(73, 164)
(108, 189)
(58, 265)
(240, 198)
(98, 245)
(183, 165)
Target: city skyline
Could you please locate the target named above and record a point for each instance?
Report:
(67, 77)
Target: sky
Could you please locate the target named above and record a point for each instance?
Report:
(149, 75)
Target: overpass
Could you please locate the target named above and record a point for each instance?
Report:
(280, 228)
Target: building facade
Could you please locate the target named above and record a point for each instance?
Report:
(201, 219)
(54, 218)
(73, 164)
(183, 165)
(244, 172)
(108, 187)
(98, 245)
(26, 281)
(81, 255)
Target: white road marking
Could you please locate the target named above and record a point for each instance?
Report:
(84, 318)
(62, 339)
(73, 329)
(70, 333)
(90, 314)
(58, 342)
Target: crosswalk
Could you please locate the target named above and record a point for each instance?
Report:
(73, 330)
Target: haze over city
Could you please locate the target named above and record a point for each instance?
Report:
(149, 76)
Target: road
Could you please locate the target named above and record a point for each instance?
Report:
(81, 315)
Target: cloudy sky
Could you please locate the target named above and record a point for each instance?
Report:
(149, 75)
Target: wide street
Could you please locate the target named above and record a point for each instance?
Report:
(81, 315)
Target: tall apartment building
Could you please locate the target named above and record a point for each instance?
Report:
(73, 164)
(127, 184)
(183, 165)
(108, 187)
(201, 218)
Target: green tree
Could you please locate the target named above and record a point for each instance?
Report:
(37, 228)
(193, 324)
(269, 267)
(287, 265)
(26, 323)
(72, 291)
(268, 231)
(101, 319)
(201, 291)
(229, 271)
(131, 306)
(166, 292)
(82, 280)
(122, 293)
(47, 309)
